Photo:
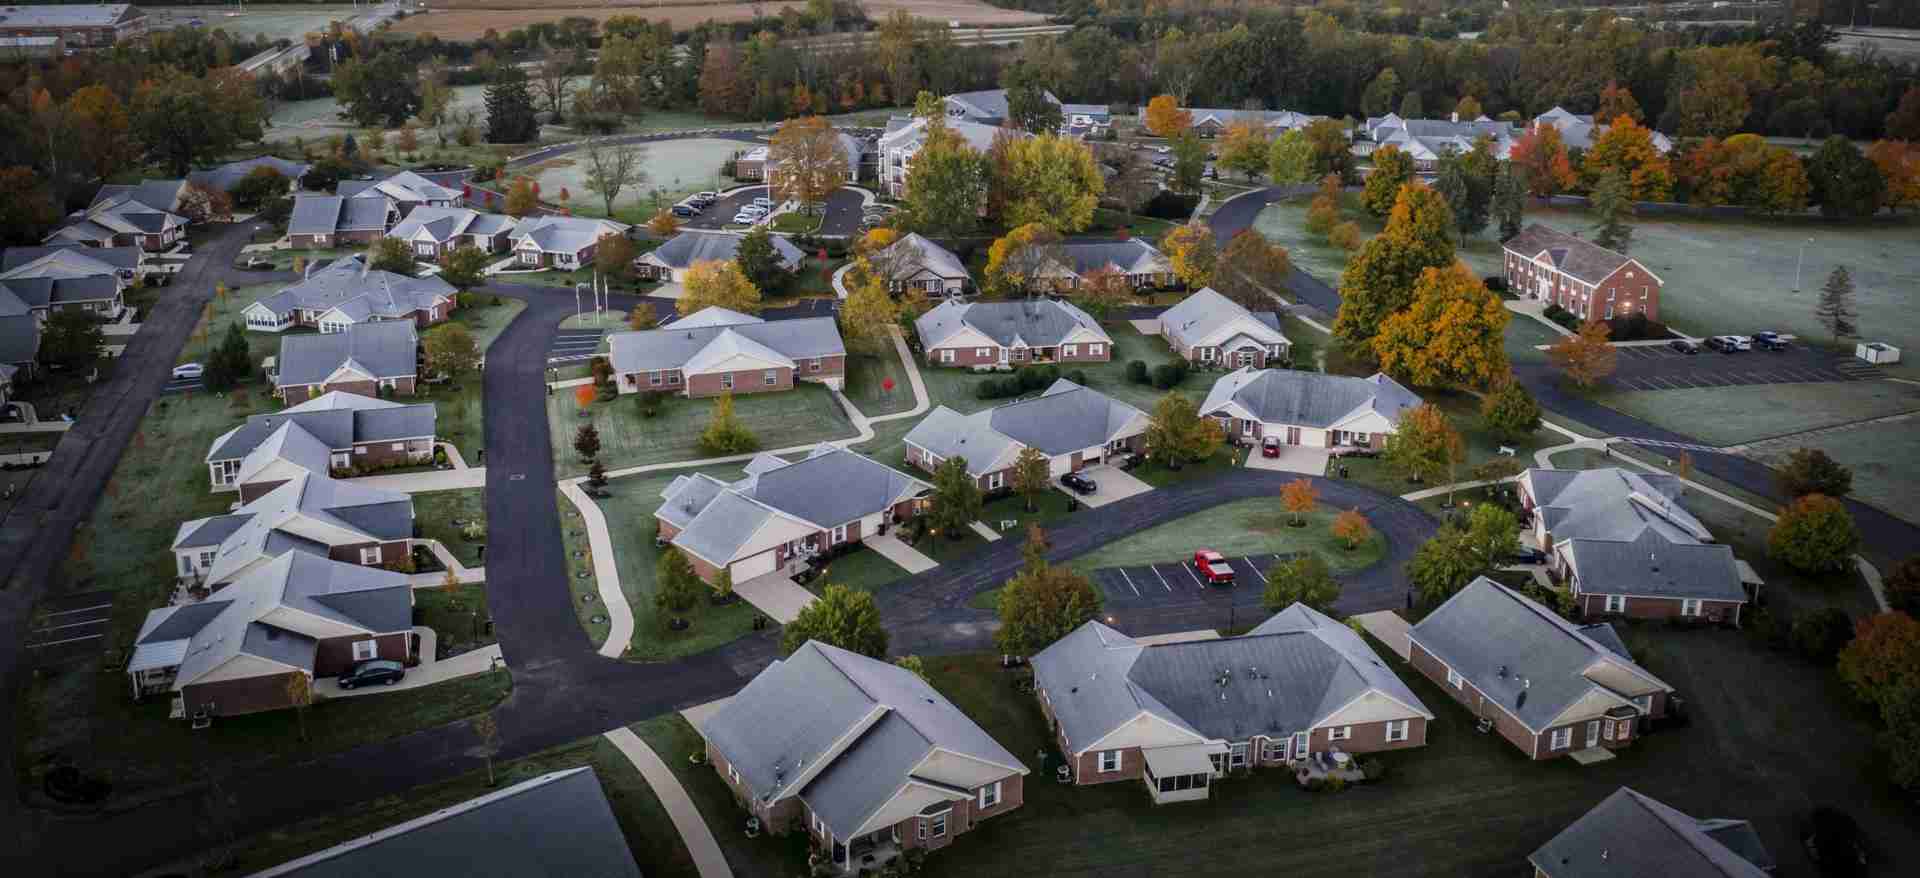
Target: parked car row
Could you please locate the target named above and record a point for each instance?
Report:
(1768, 340)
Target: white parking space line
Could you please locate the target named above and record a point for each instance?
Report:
(68, 640)
(1129, 581)
(1163, 579)
(1196, 577)
(100, 621)
(1256, 570)
(80, 610)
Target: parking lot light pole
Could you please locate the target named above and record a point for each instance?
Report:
(1799, 263)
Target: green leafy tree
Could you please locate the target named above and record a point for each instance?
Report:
(1304, 579)
(392, 254)
(230, 362)
(1612, 207)
(71, 338)
(1392, 169)
(946, 184)
(1835, 309)
(912, 663)
(183, 119)
(1029, 109)
(510, 111)
(1509, 201)
(1177, 434)
(259, 186)
(1382, 94)
(1189, 163)
(1442, 566)
(677, 586)
(1290, 159)
(1811, 471)
(759, 261)
(1030, 476)
(1814, 534)
(957, 501)
(725, 434)
(841, 617)
(1425, 446)
(1492, 535)
(1249, 267)
(1845, 182)
(1411, 106)
(1510, 412)
(382, 91)
(1042, 604)
(451, 350)
(1379, 280)
(1244, 149)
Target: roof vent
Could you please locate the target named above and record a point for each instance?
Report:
(1522, 700)
(1502, 672)
(1653, 560)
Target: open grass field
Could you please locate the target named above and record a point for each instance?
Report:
(1243, 527)
(1885, 461)
(318, 119)
(1735, 276)
(676, 167)
(468, 19)
(1734, 415)
(291, 21)
(803, 415)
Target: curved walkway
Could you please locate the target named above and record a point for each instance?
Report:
(686, 818)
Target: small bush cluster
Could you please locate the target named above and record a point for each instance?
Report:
(1137, 372)
(1031, 379)
(1167, 376)
(1562, 316)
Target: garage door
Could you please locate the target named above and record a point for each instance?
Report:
(1059, 465)
(753, 567)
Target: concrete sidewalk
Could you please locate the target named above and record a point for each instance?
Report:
(686, 818)
(606, 574)
(427, 482)
(1389, 629)
(983, 530)
(909, 558)
(434, 580)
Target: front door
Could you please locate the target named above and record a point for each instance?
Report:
(1293, 435)
(1593, 732)
(1300, 744)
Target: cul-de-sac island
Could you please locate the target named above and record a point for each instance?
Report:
(960, 437)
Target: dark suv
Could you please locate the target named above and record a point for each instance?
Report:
(1078, 483)
(385, 672)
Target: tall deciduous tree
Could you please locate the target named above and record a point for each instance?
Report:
(869, 314)
(807, 161)
(611, 170)
(1290, 159)
(382, 91)
(1303, 579)
(1382, 95)
(1042, 604)
(1425, 446)
(1586, 357)
(1452, 335)
(1545, 167)
(1030, 474)
(1612, 207)
(1814, 534)
(1835, 309)
(1249, 267)
(27, 208)
(521, 199)
(1189, 164)
(1509, 411)
(392, 254)
(1050, 180)
(1899, 164)
(1509, 202)
(1165, 118)
(1244, 149)
(1025, 261)
(1192, 250)
(1392, 168)
(1627, 149)
(183, 119)
(760, 261)
(1616, 101)
(1811, 471)
(718, 283)
(1299, 497)
(1177, 434)
(102, 131)
(956, 498)
(946, 184)
(1379, 280)
(841, 617)
(450, 349)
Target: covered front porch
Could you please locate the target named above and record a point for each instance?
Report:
(867, 853)
(1182, 774)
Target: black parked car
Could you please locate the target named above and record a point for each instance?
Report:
(1528, 555)
(1833, 842)
(1684, 346)
(385, 672)
(1078, 483)
(683, 210)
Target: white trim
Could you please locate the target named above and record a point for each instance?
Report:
(1118, 760)
(1398, 730)
(1560, 738)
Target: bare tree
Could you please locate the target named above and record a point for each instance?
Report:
(555, 81)
(612, 169)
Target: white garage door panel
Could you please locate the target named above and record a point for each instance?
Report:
(1056, 466)
(753, 566)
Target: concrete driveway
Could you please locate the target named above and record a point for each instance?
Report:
(1114, 485)
(1292, 459)
(909, 558)
(775, 595)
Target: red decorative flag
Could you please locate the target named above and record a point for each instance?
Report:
(886, 384)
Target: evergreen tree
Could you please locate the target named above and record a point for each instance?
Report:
(725, 434)
(229, 363)
(586, 442)
(1612, 205)
(1835, 308)
(510, 112)
(1509, 201)
(759, 261)
(1845, 182)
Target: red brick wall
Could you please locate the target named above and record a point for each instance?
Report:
(382, 453)
(333, 656)
(1372, 738)
(237, 697)
(1081, 354)
(784, 815)
(1595, 606)
(1470, 697)
(1641, 292)
(830, 367)
(364, 236)
(389, 552)
(964, 357)
(744, 381)
(312, 241)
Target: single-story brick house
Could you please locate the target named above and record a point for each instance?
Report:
(307, 512)
(434, 232)
(1632, 834)
(348, 292)
(714, 351)
(1628, 548)
(1072, 425)
(144, 215)
(321, 221)
(916, 263)
(1583, 277)
(1214, 121)
(986, 335)
(337, 431)
(862, 755)
(1311, 409)
(784, 511)
(407, 190)
(565, 242)
(299, 615)
(1209, 329)
(1548, 686)
(1142, 263)
(1177, 716)
(369, 359)
(69, 278)
(72, 260)
(672, 260)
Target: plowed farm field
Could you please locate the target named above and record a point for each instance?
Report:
(469, 19)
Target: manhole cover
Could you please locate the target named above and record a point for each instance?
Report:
(586, 598)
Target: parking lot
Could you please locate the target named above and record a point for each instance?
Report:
(70, 628)
(1177, 582)
(573, 345)
(1662, 368)
(842, 211)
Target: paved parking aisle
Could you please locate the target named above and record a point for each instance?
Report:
(1176, 582)
(70, 628)
(1661, 368)
(574, 344)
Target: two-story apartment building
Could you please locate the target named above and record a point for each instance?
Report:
(1583, 277)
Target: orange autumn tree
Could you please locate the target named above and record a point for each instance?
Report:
(1627, 149)
(1452, 335)
(1541, 156)
(1899, 164)
(1299, 497)
(584, 395)
(1586, 356)
(1352, 527)
(1165, 118)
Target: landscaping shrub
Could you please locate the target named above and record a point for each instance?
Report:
(1078, 376)
(1170, 205)
(1035, 378)
(1166, 376)
(1496, 283)
(598, 123)
(466, 300)
(992, 388)
(604, 392)
(1635, 327)
(1373, 768)
(650, 403)
(1820, 635)
(1137, 372)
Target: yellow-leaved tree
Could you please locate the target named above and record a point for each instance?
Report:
(868, 316)
(1025, 261)
(1453, 335)
(1051, 180)
(719, 283)
(1192, 250)
(1165, 118)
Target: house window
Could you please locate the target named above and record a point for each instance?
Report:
(1069, 350)
(673, 379)
(733, 773)
(770, 377)
(1616, 603)
(1206, 355)
(206, 559)
(654, 378)
(1341, 733)
(1237, 755)
(814, 365)
(837, 536)
(726, 381)
(983, 353)
(1454, 679)
(1606, 731)
(399, 446)
(946, 355)
(1109, 761)
(1690, 607)
(1096, 349)
(1561, 739)
(996, 481)
(1397, 730)
(365, 649)
(990, 795)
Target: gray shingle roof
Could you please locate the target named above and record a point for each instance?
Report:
(181, 622)
(315, 214)
(1033, 322)
(915, 252)
(1579, 257)
(721, 526)
(364, 214)
(444, 223)
(1307, 399)
(564, 234)
(338, 419)
(121, 258)
(41, 292)
(682, 251)
(1497, 638)
(19, 333)
(1286, 675)
(1612, 503)
(950, 434)
(1207, 312)
(1654, 566)
(557, 825)
(678, 344)
(373, 600)
(831, 487)
(158, 195)
(1064, 419)
(985, 106)
(225, 177)
(212, 531)
(387, 349)
(1631, 834)
(1131, 256)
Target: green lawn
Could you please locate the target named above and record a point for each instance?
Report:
(283, 259)
(438, 511)
(1733, 415)
(862, 569)
(1463, 411)
(488, 319)
(803, 415)
(1113, 222)
(1524, 336)
(1885, 464)
(671, 737)
(581, 584)
(649, 830)
(1285, 223)
(213, 326)
(459, 618)
(460, 411)
(1242, 527)
(867, 375)
(629, 514)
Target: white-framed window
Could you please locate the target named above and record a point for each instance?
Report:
(1616, 603)
(370, 555)
(1606, 731)
(206, 559)
(1340, 733)
(726, 381)
(654, 378)
(673, 379)
(837, 536)
(770, 377)
(1644, 703)
(813, 365)
(1454, 679)
(1109, 761)
(733, 773)
(934, 826)
(1070, 350)
(399, 446)
(1096, 349)
(982, 353)
(990, 795)
(1690, 607)
(996, 481)
(1206, 355)
(1561, 739)
(365, 649)
(946, 355)
(1246, 428)
(1237, 755)
(1397, 730)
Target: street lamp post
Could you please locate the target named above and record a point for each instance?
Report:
(1799, 263)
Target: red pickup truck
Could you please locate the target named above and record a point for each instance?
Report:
(1212, 567)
